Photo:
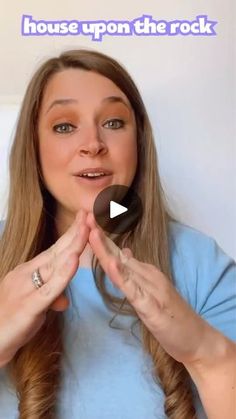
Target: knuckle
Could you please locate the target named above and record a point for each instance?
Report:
(49, 266)
(51, 261)
(64, 268)
(151, 268)
(45, 290)
(134, 296)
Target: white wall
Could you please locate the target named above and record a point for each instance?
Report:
(188, 85)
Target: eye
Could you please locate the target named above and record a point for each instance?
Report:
(64, 128)
(114, 124)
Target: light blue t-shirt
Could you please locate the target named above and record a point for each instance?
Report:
(106, 372)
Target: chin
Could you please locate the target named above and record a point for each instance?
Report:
(86, 205)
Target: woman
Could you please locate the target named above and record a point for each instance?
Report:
(82, 116)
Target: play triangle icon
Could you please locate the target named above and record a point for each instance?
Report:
(116, 209)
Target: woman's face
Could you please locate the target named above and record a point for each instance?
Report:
(86, 126)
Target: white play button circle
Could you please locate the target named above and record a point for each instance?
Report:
(116, 209)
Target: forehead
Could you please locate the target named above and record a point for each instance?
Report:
(82, 85)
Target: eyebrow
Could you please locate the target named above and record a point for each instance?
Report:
(61, 102)
(116, 99)
(112, 99)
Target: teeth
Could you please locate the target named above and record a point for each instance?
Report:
(92, 174)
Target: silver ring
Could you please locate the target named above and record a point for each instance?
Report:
(37, 279)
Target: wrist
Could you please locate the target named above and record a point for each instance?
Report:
(215, 353)
(214, 374)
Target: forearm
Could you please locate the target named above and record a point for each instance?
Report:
(214, 374)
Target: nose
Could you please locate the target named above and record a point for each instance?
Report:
(91, 143)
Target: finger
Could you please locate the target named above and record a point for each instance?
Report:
(47, 270)
(138, 292)
(49, 256)
(106, 251)
(81, 215)
(26, 288)
(76, 247)
(131, 279)
(146, 276)
(150, 272)
(103, 247)
(137, 280)
(40, 299)
(90, 221)
(126, 251)
(60, 304)
(66, 238)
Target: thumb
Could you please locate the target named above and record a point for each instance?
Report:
(60, 304)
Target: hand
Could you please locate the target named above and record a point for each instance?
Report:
(170, 319)
(23, 307)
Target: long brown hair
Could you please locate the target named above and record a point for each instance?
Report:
(35, 370)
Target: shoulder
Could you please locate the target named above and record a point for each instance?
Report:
(204, 275)
(191, 249)
(184, 236)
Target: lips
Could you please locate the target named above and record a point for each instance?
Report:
(93, 172)
(93, 178)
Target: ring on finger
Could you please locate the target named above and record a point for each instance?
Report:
(37, 279)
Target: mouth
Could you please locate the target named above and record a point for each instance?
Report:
(92, 176)
(94, 179)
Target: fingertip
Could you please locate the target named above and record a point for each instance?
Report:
(61, 303)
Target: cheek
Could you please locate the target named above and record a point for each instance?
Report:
(52, 156)
(125, 153)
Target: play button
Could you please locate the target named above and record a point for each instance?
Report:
(117, 209)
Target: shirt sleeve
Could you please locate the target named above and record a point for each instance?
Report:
(216, 290)
(206, 277)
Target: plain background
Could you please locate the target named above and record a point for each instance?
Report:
(187, 83)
